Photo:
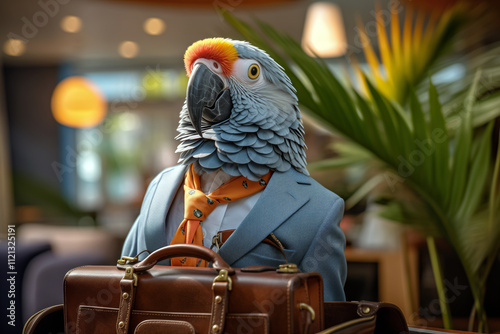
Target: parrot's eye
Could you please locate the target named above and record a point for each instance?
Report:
(253, 71)
(249, 72)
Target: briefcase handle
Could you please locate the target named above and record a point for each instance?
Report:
(179, 250)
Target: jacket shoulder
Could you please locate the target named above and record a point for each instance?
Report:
(316, 190)
(166, 172)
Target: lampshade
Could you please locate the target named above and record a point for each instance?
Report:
(77, 103)
(324, 32)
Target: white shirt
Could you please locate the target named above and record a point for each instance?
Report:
(225, 216)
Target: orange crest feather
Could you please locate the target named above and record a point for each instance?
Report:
(219, 49)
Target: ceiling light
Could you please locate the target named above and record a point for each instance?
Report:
(324, 33)
(128, 49)
(154, 26)
(71, 24)
(14, 47)
(77, 103)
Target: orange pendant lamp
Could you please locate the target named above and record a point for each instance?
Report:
(77, 103)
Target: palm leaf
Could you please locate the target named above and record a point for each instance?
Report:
(407, 58)
(450, 179)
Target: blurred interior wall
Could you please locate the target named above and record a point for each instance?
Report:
(32, 136)
(33, 131)
(6, 202)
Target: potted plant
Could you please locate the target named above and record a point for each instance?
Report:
(439, 144)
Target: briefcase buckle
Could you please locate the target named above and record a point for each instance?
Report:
(129, 274)
(127, 260)
(288, 268)
(224, 277)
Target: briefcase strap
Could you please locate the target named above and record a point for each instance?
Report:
(363, 317)
(48, 320)
(220, 292)
(128, 286)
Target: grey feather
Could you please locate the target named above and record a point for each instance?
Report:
(231, 169)
(248, 128)
(232, 137)
(249, 140)
(244, 170)
(265, 134)
(263, 159)
(264, 149)
(284, 147)
(283, 132)
(224, 157)
(276, 140)
(259, 143)
(204, 150)
(258, 169)
(226, 147)
(232, 129)
(240, 157)
(211, 162)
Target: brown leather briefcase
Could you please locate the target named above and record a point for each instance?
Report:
(142, 297)
(363, 317)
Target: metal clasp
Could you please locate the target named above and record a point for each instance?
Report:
(304, 306)
(288, 268)
(216, 241)
(128, 260)
(224, 277)
(129, 274)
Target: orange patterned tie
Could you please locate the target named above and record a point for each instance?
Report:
(197, 206)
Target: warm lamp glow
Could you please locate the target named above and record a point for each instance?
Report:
(154, 26)
(77, 103)
(324, 33)
(71, 24)
(14, 47)
(128, 49)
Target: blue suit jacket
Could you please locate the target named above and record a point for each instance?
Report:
(302, 214)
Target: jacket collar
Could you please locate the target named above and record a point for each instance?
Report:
(284, 195)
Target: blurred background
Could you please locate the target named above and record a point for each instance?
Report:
(72, 185)
(131, 53)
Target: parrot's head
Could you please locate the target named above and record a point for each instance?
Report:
(240, 113)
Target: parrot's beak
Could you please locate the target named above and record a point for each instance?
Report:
(207, 97)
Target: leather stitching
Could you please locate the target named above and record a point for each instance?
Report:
(289, 303)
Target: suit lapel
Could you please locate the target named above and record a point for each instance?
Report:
(161, 199)
(283, 196)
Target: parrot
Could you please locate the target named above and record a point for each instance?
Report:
(241, 112)
(240, 126)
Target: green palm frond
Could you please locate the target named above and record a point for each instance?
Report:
(405, 58)
(349, 155)
(447, 171)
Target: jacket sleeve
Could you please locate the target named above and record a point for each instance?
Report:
(326, 254)
(135, 242)
(130, 245)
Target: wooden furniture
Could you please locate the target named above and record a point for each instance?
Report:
(397, 281)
